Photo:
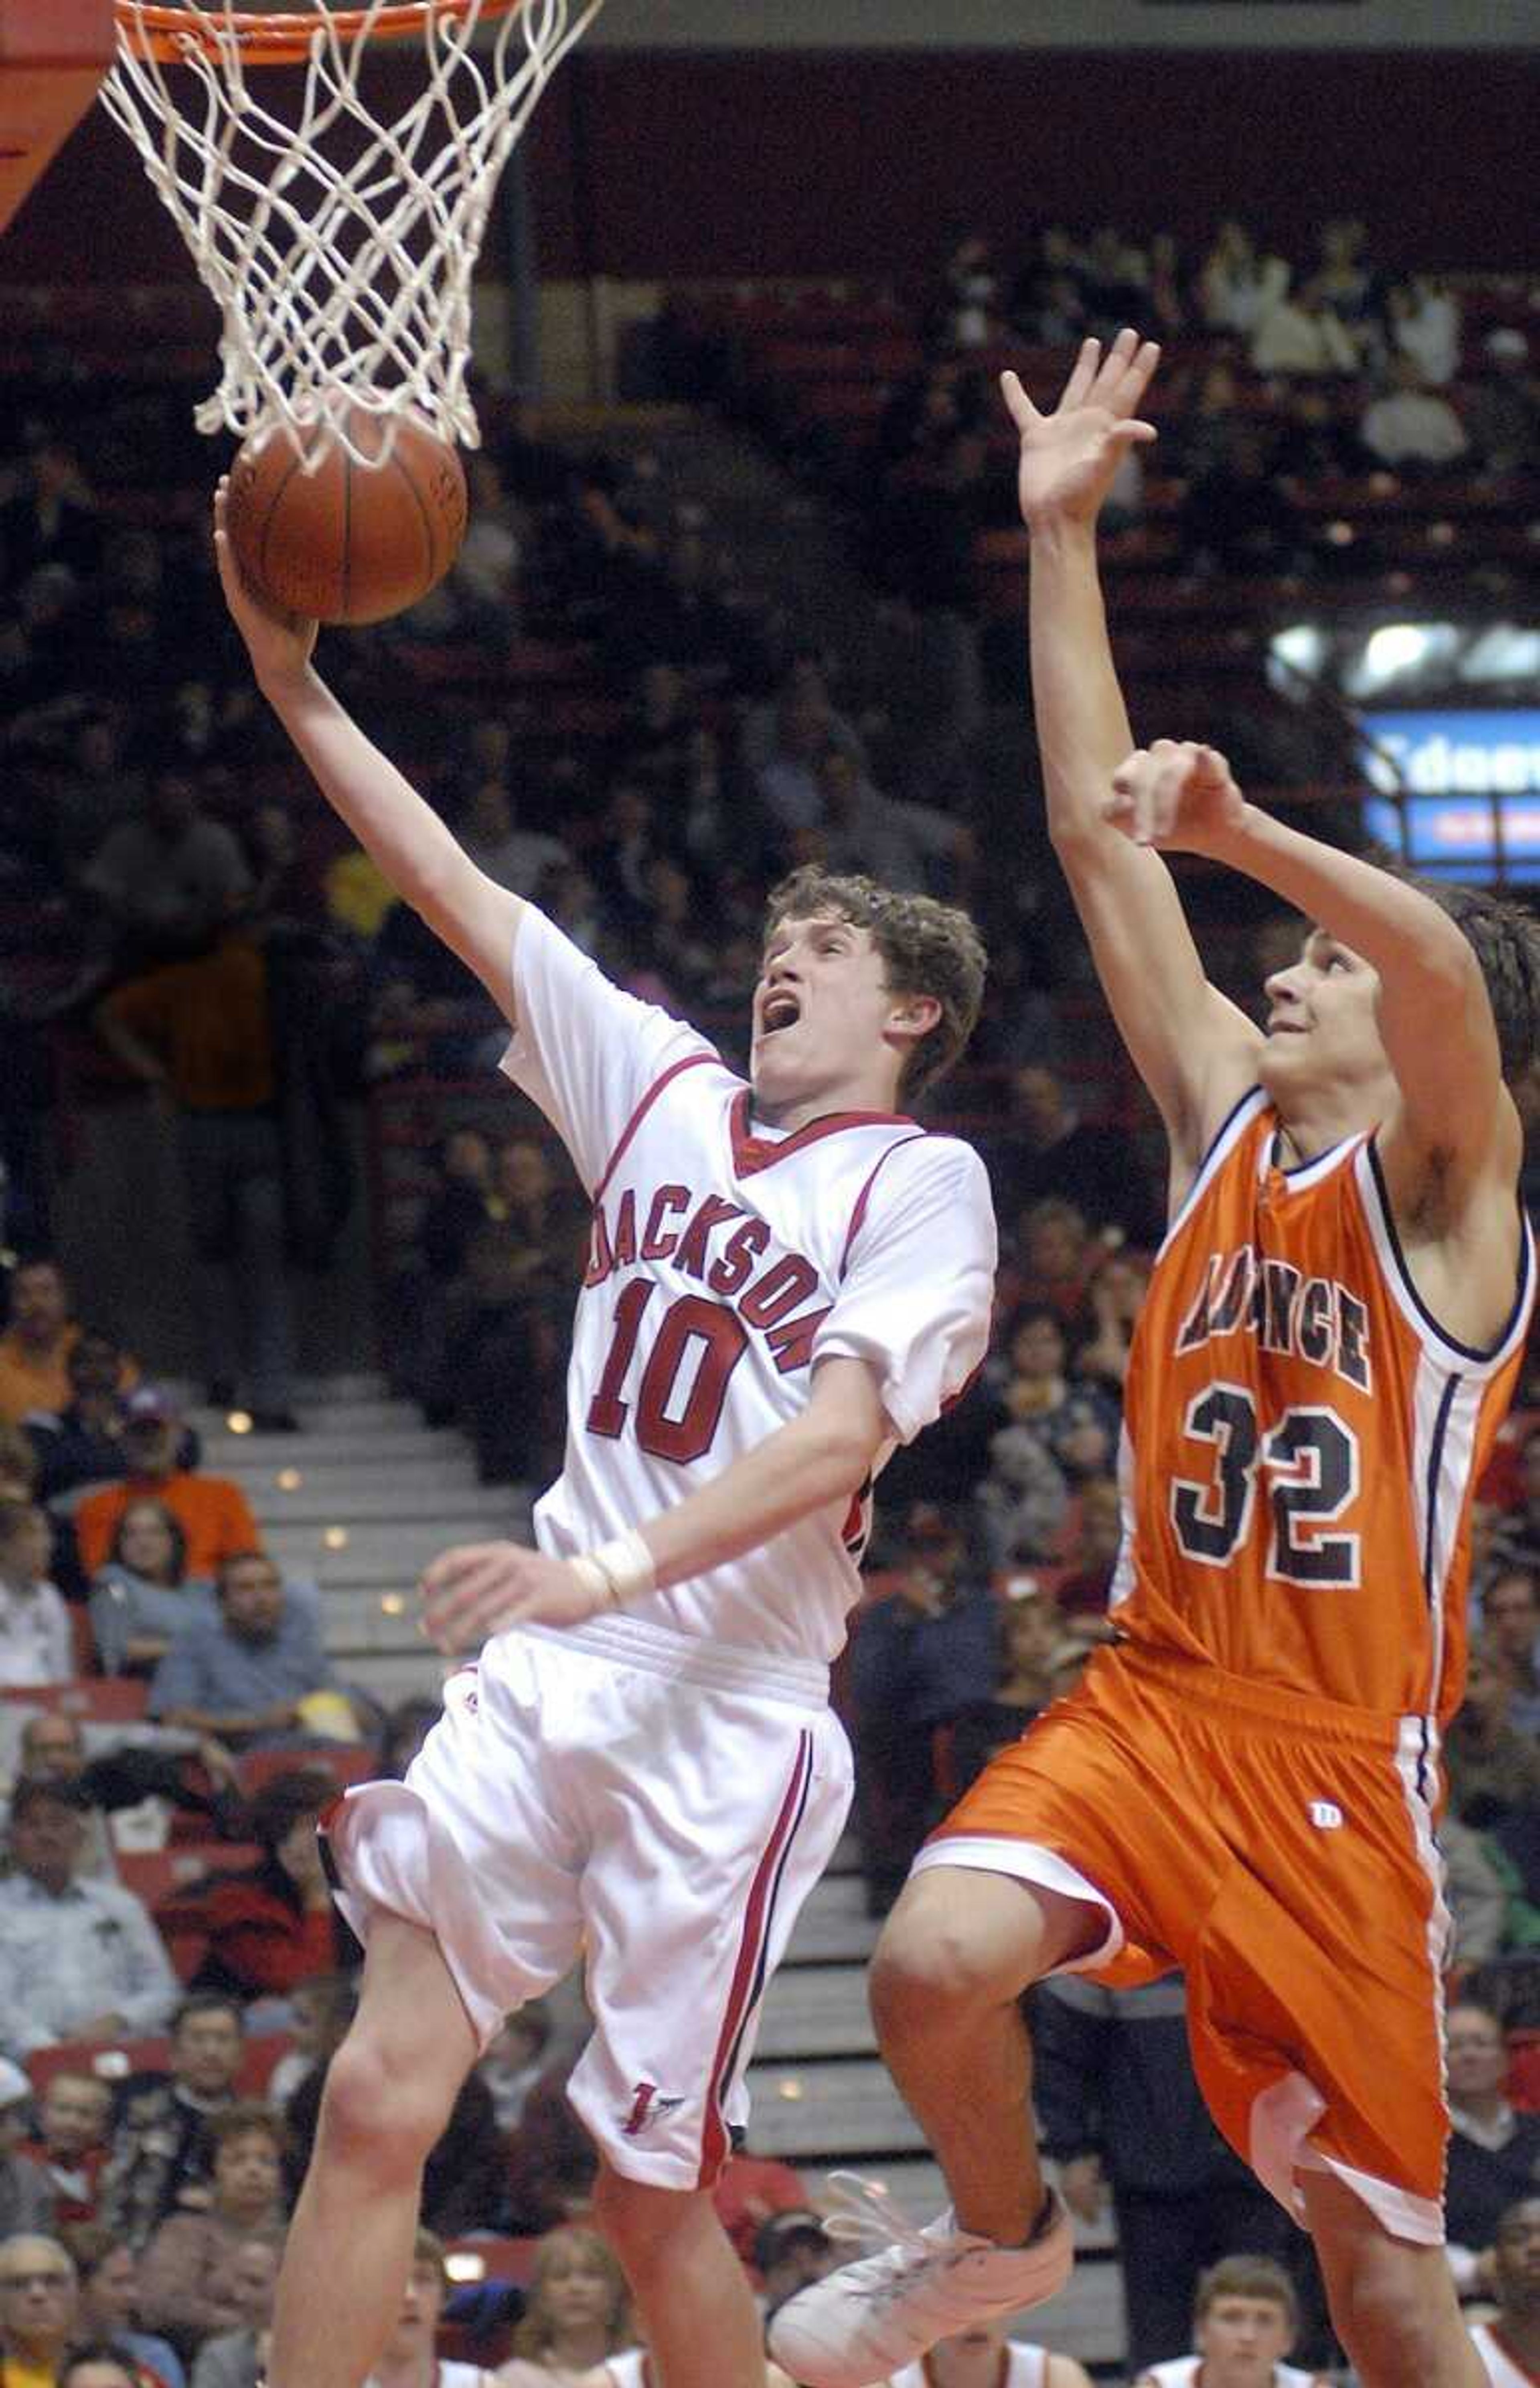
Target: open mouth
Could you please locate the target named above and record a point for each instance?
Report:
(780, 1011)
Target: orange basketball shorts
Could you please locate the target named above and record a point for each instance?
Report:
(1281, 1853)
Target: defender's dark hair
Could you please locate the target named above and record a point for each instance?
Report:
(928, 948)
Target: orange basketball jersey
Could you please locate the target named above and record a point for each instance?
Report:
(1301, 1439)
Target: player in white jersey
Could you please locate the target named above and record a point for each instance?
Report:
(786, 1277)
(985, 2358)
(1509, 2346)
(1245, 2317)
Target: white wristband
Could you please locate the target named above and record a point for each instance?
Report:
(627, 1566)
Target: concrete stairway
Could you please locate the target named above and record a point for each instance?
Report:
(359, 1503)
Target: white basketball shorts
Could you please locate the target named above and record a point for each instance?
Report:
(661, 1806)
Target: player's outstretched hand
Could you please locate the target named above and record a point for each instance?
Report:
(279, 645)
(1176, 795)
(478, 1588)
(1069, 458)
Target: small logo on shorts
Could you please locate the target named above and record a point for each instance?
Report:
(646, 2108)
(1326, 1816)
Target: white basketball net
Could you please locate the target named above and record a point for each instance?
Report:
(341, 266)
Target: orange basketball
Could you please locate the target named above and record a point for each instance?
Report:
(319, 533)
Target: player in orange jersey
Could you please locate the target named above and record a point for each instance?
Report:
(1244, 1784)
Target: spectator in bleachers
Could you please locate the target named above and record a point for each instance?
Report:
(1343, 276)
(238, 2358)
(74, 2130)
(189, 2282)
(406, 1729)
(1502, 412)
(249, 1674)
(1492, 1767)
(577, 2311)
(121, 1765)
(515, 2061)
(1031, 1632)
(107, 2269)
(1115, 1298)
(1516, 1537)
(83, 1443)
(1047, 1148)
(38, 2303)
(142, 1595)
(1475, 1892)
(321, 2008)
(551, 2161)
(1493, 2154)
(96, 2364)
(35, 1347)
(171, 879)
(37, 1645)
(1092, 1554)
(275, 1926)
(26, 2190)
(919, 1657)
(1423, 321)
(909, 847)
(162, 2156)
(52, 1749)
(197, 1030)
(212, 1511)
(806, 725)
(490, 831)
(1239, 518)
(1409, 427)
(988, 2357)
(1023, 1501)
(1511, 1619)
(789, 2250)
(1301, 331)
(1236, 286)
(79, 1959)
(1121, 2112)
(1510, 2344)
(49, 515)
(1245, 2321)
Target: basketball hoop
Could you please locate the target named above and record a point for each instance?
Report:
(338, 245)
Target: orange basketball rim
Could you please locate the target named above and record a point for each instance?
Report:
(273, 38)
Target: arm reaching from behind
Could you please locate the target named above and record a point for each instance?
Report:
(1194, 1051)
(475, 917)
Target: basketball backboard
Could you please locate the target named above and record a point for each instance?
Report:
(52, 56)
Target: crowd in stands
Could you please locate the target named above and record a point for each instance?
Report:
(611, 706)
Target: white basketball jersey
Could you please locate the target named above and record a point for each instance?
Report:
(1183, 2373)
(1023, 2367)
(1503, 2368)
(725, 1261)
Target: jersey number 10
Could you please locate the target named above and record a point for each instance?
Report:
(717, 1338)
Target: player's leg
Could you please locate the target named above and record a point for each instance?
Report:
(1393, 2301)
(955, 1955)
(389, 2090)
(698, 2318)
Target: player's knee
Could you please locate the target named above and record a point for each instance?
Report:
(374, 2105)
(637, 2217)
(930, 1960)
(1388, 2316)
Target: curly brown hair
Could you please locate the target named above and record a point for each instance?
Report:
(930, 949)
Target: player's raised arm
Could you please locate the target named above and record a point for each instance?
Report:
(1192, 1047)
(413, 848)
(1455, 1128)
